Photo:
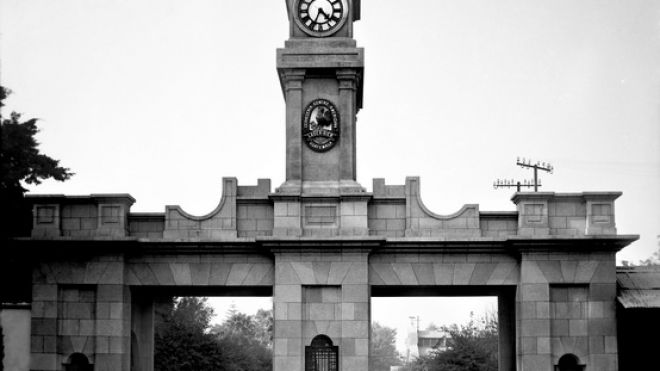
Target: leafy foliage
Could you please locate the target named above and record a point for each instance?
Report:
(472, 347)
(185, 341)
(383, 348)
(20, 159)
(652, 260)
(655, 258)
(246, 340)
(182, 343)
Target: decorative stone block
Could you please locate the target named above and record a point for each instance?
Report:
(600, 213)
(46, 220)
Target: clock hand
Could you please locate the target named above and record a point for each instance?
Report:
(324, 14)
(318, 13)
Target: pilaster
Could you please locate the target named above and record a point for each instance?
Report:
(348, 82)
(293, 90)
(567, 305)
(321, 293)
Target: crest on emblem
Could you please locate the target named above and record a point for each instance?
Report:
(321, 125)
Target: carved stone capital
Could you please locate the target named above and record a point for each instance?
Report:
(293, 79)
(348, 79)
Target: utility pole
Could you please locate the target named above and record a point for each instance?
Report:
(510, 183)
(534, 183)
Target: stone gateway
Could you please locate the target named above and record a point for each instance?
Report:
(322, 246)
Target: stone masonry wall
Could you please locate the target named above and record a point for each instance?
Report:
(566, 304)
(80, 307)
(392, 211)
(200, 270)
(218, 224)
(321, 293)
(146, 225)
(84, 305)
(445, 269)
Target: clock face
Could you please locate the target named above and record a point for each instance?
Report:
(320, 17)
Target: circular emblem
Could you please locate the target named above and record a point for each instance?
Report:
(321, 125)
(320, 18)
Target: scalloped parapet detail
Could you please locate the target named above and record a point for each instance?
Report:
(421, 222)
(218, 224)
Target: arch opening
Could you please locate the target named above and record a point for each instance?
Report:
(78, 362)
(569, 362)
(321, 354)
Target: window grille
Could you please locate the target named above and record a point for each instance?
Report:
(569, 362)
(321, 355)
(78, 362)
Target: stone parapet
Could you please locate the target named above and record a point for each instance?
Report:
(96, 215)
(254, 210)
(420, 221)
(566, 214)
(218, 224)
(498, 223)
(146, 225)
(325, 209)
(321, 215)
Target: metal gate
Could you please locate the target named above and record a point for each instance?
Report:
(321, 355)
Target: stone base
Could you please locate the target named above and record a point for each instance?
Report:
(320, 188)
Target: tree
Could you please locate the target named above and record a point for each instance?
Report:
(21, 161)
(246, 340)
(383, 348)
(653, 259)
(182, 342)
(472, 347)
(650, 261)
(185, 340)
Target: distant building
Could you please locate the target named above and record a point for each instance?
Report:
(431, 340)
(423, 342)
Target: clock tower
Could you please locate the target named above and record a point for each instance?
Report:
(321, 74)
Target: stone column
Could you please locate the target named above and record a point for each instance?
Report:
(506, 311)
(321, 293)
(81, 307)
(347, 91)
(142, 333)
(566, 305)
(534, 318)
(293, 86)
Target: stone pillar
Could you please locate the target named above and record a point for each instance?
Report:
(353, 217)
(287, 216)
(321, 292)
(566, 304)
(113, 328)
(81, 307)
(293, 89)
(142, 333)
(15, 321)
(347, 95)
(534, 318)
(506, 315)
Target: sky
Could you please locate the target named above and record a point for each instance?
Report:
(163, 98)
